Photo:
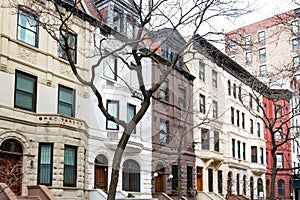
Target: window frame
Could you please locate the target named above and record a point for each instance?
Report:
(281, 190)
(263, 70)
(205, 140)
(17, 90)
(59, 102)
(231, 45)
(129, 105)
(295, 44)
(214, 79)
(39, 182)
(296, 61)
(248, 40)
(164, 133)
(131, 179)
(164, 90)
(201, 71)
(182, 100)
(295, 26)
(108, 101)
(106, 66)
(216, 141)
(202, 103)
(73, 184)
(61, 52)
(262, 54)
(233, 148)
(248, 57)
(254, 154)
(27, 14)
(215, 109)
(261, 36)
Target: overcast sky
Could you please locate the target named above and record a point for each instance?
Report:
(262, 9)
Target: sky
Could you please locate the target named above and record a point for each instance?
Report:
(262, 9)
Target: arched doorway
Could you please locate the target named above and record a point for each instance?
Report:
(251, 188)
(101, 173)
(159, 179)
(199, 178)
(131, 176)
(229, 182)
(11, 157)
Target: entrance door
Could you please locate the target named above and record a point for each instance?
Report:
(159, 183)
(101, 178)
(199, 179)
(101, 173)
(11, 165)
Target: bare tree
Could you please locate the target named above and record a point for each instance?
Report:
(59, 18)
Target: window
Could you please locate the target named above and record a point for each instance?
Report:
(258, 129)
(164, 90)
(295, 26)
(240, 93)
(131, 176)
(220, 181)
(244, 151)
(262, 70)
(250, 101)
(281, 192)
(229, 87)
(257, 104)
(262, 54)
(215, 109)
(278, 135)
(244, 185)
(70, 166)
(130, 28)
(175, 177)
(110, 67)
(27, 28)
(182, 97)
(189, 178)
(261, 36)
(232, 115)
(66, 101)
(278, 111)
(71, 42)
(261, 155)
(45, 163)
(130, 114)
(202, 103)
(254, 154)
(243, 120)
(238, 184)
(248, 57)
(164, 132)
(234, 90)
(216, 141)
(210, 180)
(251, 126)
(295, 44)
(233, 147)
(231, 45)
(201, 71)
(239, 149)
(113, 110)
(248, 41)
(25, 91)
(296, 61)
(205, 139)
(118, 21)
(238, 118)
(214, 79)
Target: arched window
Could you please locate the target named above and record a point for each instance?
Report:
(101, 160)
(131, 176)
(238, 184)
(229, 182)
(234, 90)
(251, 188)
(229, 87)
(280, 188)
(259, 187)
(244, 185)
(11, 146)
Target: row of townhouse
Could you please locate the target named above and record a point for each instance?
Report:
(52, 132)
(269, 49)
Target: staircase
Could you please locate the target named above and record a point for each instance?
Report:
(235, 197)
(35, 192)
(216, 196)
(203, 196)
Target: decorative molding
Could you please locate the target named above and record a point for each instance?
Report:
(66, 70)
(27, 55)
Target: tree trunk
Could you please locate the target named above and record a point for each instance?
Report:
(116, 166)
(274, 171)
(179, 179)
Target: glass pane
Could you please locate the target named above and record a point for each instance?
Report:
(45, 154)
(69, 175)
(65, 109)
(24, 100)
(109, 67)
(25, 83)
(45, 174)
(130, 112)
(65, 95)
(69, 158)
